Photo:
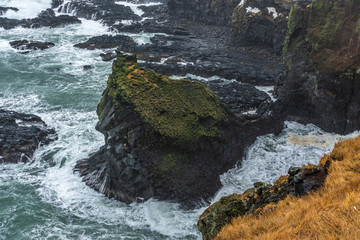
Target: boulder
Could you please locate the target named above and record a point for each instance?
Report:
(20, 135)
(322, 56)
(164, 138)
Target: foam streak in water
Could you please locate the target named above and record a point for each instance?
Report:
(27, 9)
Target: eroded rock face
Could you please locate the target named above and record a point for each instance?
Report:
(261, 23)
(169, 139)
(214, 12)
(20, 135)
(322, 57)
(262, 197)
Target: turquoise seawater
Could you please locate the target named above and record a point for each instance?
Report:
(44, 199)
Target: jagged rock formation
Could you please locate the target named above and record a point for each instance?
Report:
(298, 182)
(20, 135)
(323, 59)
(169, 139)
(25, 46)
(46, 18)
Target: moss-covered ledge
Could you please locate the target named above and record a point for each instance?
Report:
(181, 110)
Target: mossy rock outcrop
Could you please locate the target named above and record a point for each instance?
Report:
(322, 57)
(165, 138)
(261, 198)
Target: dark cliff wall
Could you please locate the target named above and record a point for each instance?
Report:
(213, 12)
(322, 54)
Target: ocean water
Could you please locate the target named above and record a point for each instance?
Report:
(44, 199)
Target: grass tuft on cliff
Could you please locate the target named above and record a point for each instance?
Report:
(181, 110)
(332, 212)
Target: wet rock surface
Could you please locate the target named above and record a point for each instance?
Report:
(25, 46)
(107, 41)
(46, 18)
(20, 135)
(262, 197)
(179, 46)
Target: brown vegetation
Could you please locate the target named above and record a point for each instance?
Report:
(330, 213)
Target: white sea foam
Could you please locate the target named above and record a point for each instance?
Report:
(135, 7)
(27, 9)
(268, 90)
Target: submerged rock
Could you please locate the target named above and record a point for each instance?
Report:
(20, 135)
(25, 45)
(3, 10)
(322, 56)
(169, 139)
(298, 182)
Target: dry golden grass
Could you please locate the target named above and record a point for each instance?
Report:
(332, 212)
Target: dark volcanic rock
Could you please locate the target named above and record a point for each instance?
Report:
(299, 182)
(211, 12)
(180, 55)
(21, 134)
(107, 41)
(323, 59)
(239, 97)
(24, 45)
(108, 56)
(46, 18)
(169, 139)
(3, 10)
(106, 10)
(56, 3)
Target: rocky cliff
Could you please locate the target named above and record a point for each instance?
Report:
(169, 139)
(322, 56)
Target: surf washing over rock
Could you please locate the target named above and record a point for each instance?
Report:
(166, 162)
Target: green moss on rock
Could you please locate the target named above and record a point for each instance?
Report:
(328, 32)
(182, 110)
